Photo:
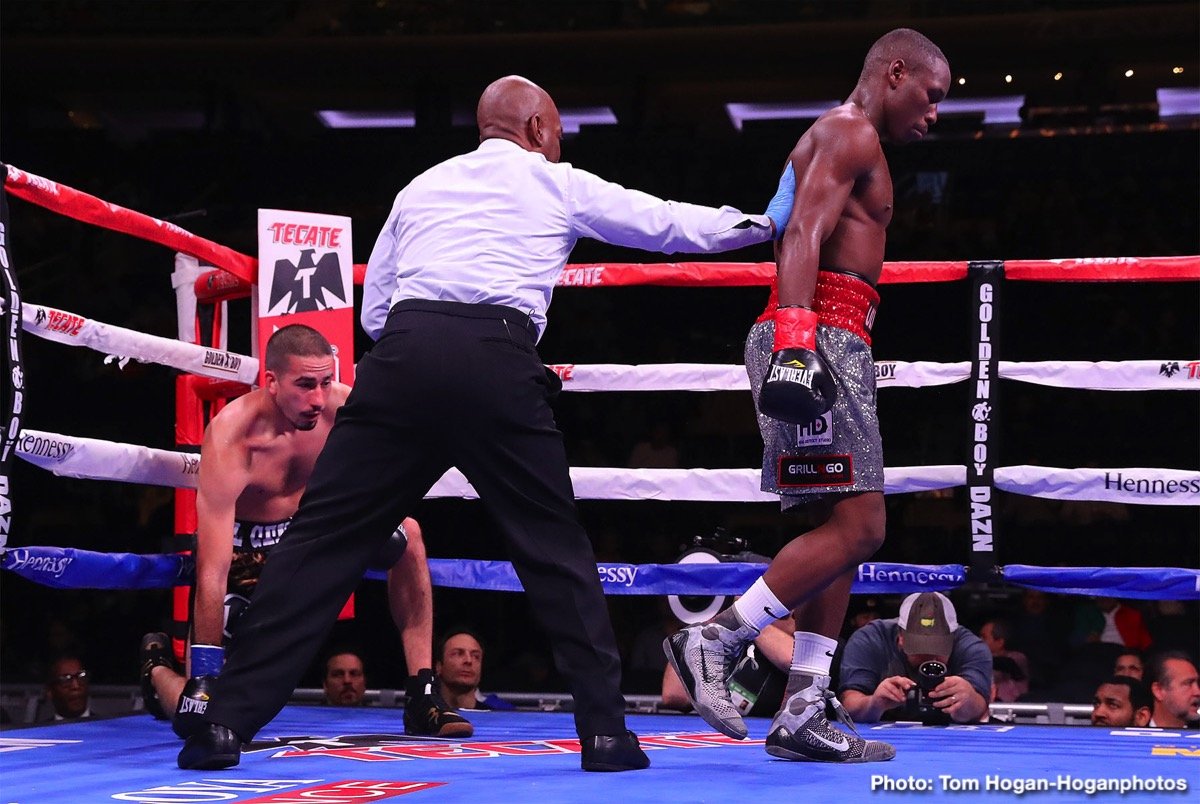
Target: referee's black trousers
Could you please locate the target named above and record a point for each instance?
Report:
(447, 384)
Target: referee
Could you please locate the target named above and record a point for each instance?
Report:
(456, 294)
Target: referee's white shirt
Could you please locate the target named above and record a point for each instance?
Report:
(496, 225)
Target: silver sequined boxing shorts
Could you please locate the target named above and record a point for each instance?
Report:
(839, 453)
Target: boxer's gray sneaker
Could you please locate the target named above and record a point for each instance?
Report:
(704, 657)
(800, 731)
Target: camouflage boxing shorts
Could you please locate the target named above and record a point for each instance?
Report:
(252, 541)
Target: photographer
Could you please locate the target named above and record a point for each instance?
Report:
(921, 666)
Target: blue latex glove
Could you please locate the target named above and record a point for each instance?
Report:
(779, 208)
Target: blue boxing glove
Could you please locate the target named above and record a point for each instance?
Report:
(779, 208)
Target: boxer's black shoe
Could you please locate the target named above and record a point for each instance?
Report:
(211, 748)
(154, 652)
(429, 715)
(613, 752)
(426, 713)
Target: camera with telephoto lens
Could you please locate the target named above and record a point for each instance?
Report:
(929, 676)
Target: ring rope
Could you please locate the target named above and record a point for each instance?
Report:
(96, 459)
(90, 209)
(71, 568)
(125, 344)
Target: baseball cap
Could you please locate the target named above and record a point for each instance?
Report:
(929, 622)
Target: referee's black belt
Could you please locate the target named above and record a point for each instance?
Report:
(463, 310)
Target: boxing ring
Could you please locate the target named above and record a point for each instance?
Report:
(313, 753)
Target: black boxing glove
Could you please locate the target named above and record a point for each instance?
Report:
(799, 387)
(193, 703)
(391, 550)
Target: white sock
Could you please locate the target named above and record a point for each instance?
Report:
(812, 654)
(759, 607)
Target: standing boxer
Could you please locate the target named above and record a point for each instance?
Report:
(813, 379)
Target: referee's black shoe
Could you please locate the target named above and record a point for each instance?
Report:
(613, 752)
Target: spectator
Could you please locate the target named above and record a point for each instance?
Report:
(1174, 625)
(1176, 690)
(345, 681)
(459, 668)
(1106, 619)
(1120, 702)
(1130, 664)
(884, 660)
(860, 612)
(67, 688)
(1014, 684)
(1009, 681)
(1041, 629)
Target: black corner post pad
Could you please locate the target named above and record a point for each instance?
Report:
(12, 395)
(983, 411)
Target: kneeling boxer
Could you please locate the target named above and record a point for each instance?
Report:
(256, 458)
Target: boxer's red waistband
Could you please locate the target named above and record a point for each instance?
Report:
(841, 300)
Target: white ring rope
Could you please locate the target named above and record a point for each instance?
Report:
(717, 377)
(125, 344)
(1125, 375)
(96, 459)
(1108, 375)
(1133, 485)
(107, 460)
(702, 485)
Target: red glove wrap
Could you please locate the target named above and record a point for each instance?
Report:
(795, 328)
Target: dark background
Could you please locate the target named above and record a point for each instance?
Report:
(203, 112)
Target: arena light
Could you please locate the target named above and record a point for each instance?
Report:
(739, 113)
(1005, 109)
(572, 119)
(1174, 102)
(393, 118)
